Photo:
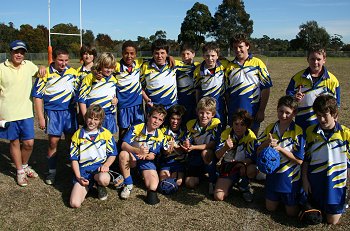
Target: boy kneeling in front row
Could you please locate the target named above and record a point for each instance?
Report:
(93, 150)
(141, 144)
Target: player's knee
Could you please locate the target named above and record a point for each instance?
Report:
(191, 182)
(28, 144)
(103, 179)
(74, 203)
(333, 219)
(219, 196)
(124, 157)
(179, 182)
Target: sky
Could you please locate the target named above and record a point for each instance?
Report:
(124, 20)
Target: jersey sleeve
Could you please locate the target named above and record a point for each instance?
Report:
(39, 87)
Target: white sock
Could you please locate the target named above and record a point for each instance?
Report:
(24, 166)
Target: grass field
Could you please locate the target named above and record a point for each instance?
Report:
(42, 207)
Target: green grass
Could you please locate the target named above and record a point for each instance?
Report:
(43, 207)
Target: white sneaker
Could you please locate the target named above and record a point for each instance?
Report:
(126, 191)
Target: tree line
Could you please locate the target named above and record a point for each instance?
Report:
(198, 26)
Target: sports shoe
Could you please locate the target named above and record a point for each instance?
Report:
(248, 195)
(102, 192)
(50, 179)
(30, 172)
(211, 188)
(22, 179)
(126, 191)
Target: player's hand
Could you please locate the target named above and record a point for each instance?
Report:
(42, 124)
(229, 143)
(103, 168)
(144, 150)
(186, 145)
(171, 145)
(299, 95)
(149, 103)
(114, 101)
(306, 186)
(83, 182)
(42, 71)
(260, 116)
(273, 141)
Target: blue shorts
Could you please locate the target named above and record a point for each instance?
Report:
(334, 209)
(145, 164)
(173, 167)
(289, 199)
(59, 122)
(19, 129)
(87, 173)
(110, 123)
(131, 115)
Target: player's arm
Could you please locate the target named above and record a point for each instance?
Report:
(201, 147)
(39, 109)
(75, 167)
(305, 179)
(289, 155)
(82, 108)
(105, 166)
(147, 99)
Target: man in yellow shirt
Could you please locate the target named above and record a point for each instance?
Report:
(16, 107)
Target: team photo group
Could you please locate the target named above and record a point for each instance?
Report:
(177, 123)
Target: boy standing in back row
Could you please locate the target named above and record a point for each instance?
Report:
(55, 93)
(248, 83)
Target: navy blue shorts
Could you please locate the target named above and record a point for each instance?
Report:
(110, 123)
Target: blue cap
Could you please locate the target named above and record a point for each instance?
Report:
(18, 44)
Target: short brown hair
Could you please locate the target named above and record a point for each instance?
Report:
(239, 38)
(288, 101)
(95, 111)
(324, 104)
(316, 48)
(244, 116)
(211, 46)
(159, 108)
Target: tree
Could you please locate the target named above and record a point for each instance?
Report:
(71, 42)
(336, 42)
(196, 25)
(104, 42)
(88, 37)
(310, 34)
(7, 34)
(34, 37)
(158, 35)
(231, 19)
(143, 43)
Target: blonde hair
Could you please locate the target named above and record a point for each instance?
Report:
(106, 59)
(207, 103)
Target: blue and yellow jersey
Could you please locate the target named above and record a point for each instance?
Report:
(327, 84)
(92, 150)
(327, 158)
(244, 84)
(82, 72)
(244, 147)
(185, 83)
(159, 83)
(129, 90)
(198, 135)
(178, 137)
(287, 177)
(101, 92)
(58, 90)
(137, 136)
(210, 84)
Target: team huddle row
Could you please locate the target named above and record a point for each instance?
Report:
(200, 119)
